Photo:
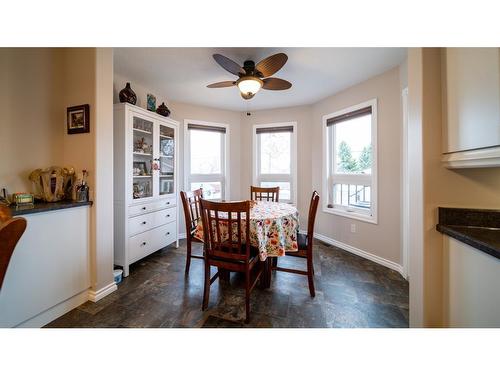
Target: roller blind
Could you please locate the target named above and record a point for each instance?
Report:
(349, 116)
(275, 129)
(209, 128)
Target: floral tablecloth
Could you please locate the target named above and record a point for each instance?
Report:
(273, 228)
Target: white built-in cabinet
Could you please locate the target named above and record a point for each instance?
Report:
(471, 107)
(145, 183)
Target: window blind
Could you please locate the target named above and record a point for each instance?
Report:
(209, 128)
(275, 129)
(349, 116)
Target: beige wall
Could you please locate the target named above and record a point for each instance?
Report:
(300, 115)
(38, 84)
(382, 239)
(31, 131)
(79, 88)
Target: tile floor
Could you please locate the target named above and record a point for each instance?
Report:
(350, 292)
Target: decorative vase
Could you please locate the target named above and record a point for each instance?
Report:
(127, 95)
(163, 110)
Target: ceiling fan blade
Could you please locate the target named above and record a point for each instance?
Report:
(271, 64)
(276, 84)
(228, 64)
(221, 84)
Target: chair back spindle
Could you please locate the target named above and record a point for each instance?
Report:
(192, 210)
(270, 194)
(233, 216)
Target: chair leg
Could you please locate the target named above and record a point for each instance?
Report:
(275, 262)
(188, 255)
(310, 277)
(247, 297)
(206, 289)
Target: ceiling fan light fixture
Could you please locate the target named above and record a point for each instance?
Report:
(249, 85)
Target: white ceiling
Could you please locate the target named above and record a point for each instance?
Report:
(182, 74)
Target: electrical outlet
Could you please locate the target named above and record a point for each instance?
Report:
(353, 228)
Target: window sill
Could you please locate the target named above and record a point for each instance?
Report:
(351, 215)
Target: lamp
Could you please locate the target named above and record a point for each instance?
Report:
(249, 85)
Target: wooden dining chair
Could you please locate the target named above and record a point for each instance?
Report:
(233, 253)
(305, 245)
(270, 194)
(11, 231)
(192, 214)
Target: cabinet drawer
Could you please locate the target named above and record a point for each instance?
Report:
(165, 235)
(140, 245)
(142, 223)
(148, 242)
(148, 207)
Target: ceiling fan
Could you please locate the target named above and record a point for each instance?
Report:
(253, 77)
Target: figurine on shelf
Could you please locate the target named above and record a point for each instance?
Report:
(142, 146)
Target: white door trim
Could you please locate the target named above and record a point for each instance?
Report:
(405, 187)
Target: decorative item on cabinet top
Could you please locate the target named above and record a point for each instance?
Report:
(163, 110)
(151, 102)
(53, 184)
(127, 95)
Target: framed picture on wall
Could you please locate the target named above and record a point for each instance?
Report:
(78, 119)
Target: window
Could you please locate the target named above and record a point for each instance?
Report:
(350, 162)
(274, 161)
(205, 148)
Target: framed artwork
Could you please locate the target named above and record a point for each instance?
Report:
(151, 102)
(78, 119)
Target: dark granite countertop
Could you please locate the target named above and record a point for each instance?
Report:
(478, 228)
(45, 206)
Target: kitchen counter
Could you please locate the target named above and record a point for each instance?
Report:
(45, 206)
(478, 228)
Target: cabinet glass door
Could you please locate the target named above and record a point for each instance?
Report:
(167, 159)
(142, 147)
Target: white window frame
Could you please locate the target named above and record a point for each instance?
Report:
(329, 178)
(223, 177)
(292, 177)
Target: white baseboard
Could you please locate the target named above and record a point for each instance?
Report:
(56, 311)
(362, 253)
(182, 236)
(96, 295)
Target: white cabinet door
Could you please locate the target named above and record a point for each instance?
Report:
(471, 98)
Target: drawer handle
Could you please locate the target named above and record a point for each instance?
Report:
(144, 208)
(143, 244)
(143, 222)
(167, 203)
(168, 215)
(167, 233)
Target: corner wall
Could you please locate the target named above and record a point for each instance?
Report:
(302, 116)
(31, 132)
(383, 239)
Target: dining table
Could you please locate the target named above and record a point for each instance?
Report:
(273, 231)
